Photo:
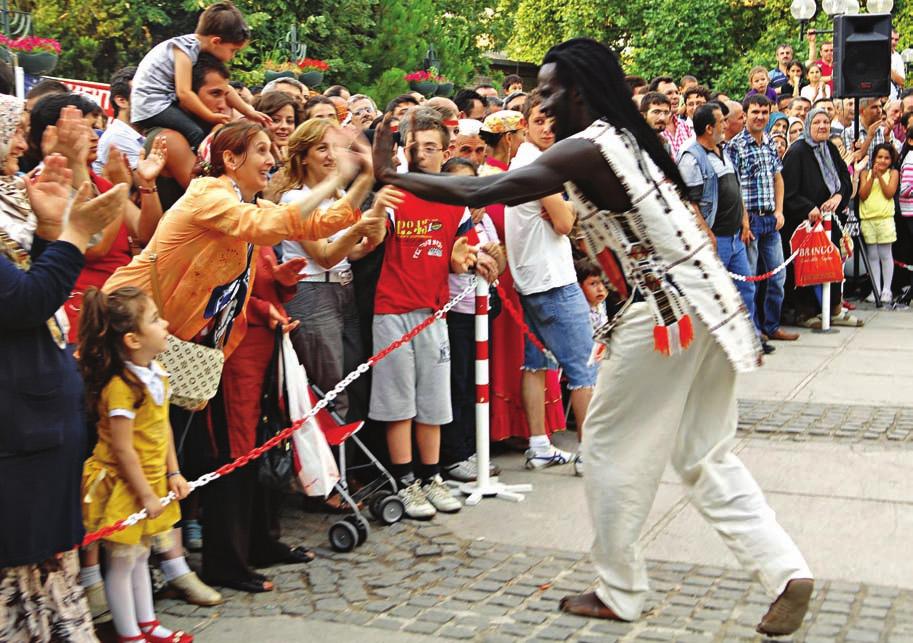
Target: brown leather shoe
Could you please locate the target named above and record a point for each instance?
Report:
(587, 605)
(786, 613)
(784, 336)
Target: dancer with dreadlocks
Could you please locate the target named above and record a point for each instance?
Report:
(666, 386)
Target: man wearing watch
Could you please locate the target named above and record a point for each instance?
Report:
(758, 167)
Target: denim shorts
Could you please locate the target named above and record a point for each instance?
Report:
(560, 318)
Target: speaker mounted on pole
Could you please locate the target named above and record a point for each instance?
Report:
(862, 55)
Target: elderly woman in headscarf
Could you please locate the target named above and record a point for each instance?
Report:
(816, 183)
(43, 440)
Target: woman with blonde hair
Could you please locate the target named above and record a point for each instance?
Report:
(328, 339)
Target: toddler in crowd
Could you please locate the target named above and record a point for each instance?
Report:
(134, 461)
(412, 385)
(877, 187)
(589, 276)
(162, 94)
(759, 83)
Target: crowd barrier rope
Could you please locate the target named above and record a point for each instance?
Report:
(286, 433)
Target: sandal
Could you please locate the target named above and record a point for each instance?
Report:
(301, 555)
(846, 319)
(175, 637)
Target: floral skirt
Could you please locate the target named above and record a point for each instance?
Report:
(44, 602)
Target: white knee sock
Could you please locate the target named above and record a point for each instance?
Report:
(89, 576)
(874, 266)
(887, 266)
(142, 597)
(119, 590)
(174, 567)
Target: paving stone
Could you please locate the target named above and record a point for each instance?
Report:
(553, 633)
(422, 627)
(405, 611)
(862, 636)
(534, 618)
(331, 604)
(379, 606)
(387, 623)
(438, 616)
(456, 632)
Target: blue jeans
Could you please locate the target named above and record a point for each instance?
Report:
(560, 318)
(766, 253)
(734, 256)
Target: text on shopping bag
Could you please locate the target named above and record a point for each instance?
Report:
(818, 260)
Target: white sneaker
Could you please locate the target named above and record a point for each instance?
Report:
(415, 502)
(548, 457)
(578, 465)
(468, 470)
(438, 494)
(887, 298)
(493, 469)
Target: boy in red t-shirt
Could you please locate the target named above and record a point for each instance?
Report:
(413, 382)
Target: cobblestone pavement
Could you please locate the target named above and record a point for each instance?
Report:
(780, 420)
(421, 578)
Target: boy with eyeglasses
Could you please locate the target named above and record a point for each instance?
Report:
(411, 386)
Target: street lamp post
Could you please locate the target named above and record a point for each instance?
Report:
(806, 10)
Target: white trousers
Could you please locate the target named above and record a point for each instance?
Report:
(646, 410)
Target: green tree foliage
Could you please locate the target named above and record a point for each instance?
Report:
(716, 40)
(360, 39)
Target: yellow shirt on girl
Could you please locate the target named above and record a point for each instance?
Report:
(106, 495)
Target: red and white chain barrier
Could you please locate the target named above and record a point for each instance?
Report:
(521, 322)
(905, 266)
(285, 434)
(771, 273)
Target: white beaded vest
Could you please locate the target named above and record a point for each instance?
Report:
(664, 253)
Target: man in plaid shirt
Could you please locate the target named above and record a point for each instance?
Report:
(758, 167)
(873, 131)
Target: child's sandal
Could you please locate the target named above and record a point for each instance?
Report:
(174, 637)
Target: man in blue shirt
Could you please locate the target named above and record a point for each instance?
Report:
(758, 166)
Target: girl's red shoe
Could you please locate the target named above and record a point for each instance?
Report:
(174, 637)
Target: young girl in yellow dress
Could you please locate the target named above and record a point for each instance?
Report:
(134, 462)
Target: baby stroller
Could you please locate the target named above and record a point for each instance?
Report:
(379, 495)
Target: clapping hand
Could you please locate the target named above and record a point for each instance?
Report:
(151, 165)
(69, 137)
(117, 168)
(49, 195)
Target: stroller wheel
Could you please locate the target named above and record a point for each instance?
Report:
(361, 527)
(374, 503)
(390, 510)
(343, 536)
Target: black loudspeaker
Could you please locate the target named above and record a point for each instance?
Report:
(862, 55)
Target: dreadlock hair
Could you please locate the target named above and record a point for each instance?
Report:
(594, 70)
(103, 322)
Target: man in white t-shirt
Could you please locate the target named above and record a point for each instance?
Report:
(898, 69)
(540, 259)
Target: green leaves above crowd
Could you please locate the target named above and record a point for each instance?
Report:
(371, 44)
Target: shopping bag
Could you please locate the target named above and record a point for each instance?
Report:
(314, 463)
(818, 260)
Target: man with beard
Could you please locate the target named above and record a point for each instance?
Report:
(656, 109)
(666, 388)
